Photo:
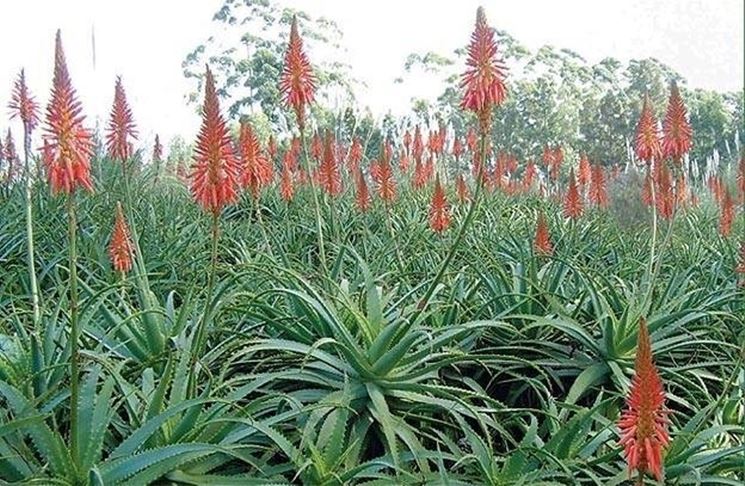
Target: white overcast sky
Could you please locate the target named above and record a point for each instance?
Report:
(146, 40)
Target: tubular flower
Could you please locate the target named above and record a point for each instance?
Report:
(23, 105)
(328, 170)
(286, 187)
(483, 81)
(362, 195)
(215, 172)
(726, 214)
(572, 202)
(542, 243)
(256, 170)
(643, 425)
(647, 140)
(70, 143)
(461, 188)
(584, 173)
(676, 130)
(121, 248)
(664, 193)
(297, 82)
(385, 181)
(355, 155)
(598, 190)
(121, 126)
(439, 211)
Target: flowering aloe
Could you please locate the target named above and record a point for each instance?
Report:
(121, 126)
(676, 129)
(572, 202)
(461, 188)
(483, 81)
(647, 141)
(584, 172)
(355, 155)
(664, 192)
(328, 170)
(542, 242)
(643, 425)
(286, 186)
(598, 191)
(297, 82)
(23, 105)
(120, 248)
(362, 194)
(215, 172)
(256, 170)
(70, 145)
(439, 210)
(726, 213)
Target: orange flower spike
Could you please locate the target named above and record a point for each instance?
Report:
(598, 189)
(664, 194)
(23, 105)
(726, 214)
(439, 211)
(676, 129)
(386, 182)
(297, 83)
(647, 141)
(355, 155)
(121, 249)
(121, 127)
(643, 425)
(529, 174)
(286, 187)
(403, 162)
(584, 173)
(362, 196)
(256, 170)
(316, 147)
(215, 171)
(542, 243)
(472, 141)
(483, 82)
(572, 202)
(70, 144)
(328, 170)
(556, 161)
(647, 190)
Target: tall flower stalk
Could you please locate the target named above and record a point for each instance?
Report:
(69, 150)
(23, 106)
(297, 85)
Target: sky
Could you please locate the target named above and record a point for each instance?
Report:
(145, 42)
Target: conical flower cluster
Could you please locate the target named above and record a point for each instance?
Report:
(573, 207)
(297, 83)
(23, 105)
(69, 143)
(121, 126)
(542, 243)
(256, 170)
(439, 210)
(362, 194)
(215, 172)
(676, 129)
(120, 248)
(328, 171)
(483, 82)
(643, 425)
(647, 141)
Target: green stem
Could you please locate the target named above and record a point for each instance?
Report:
(74, 326)
(201, 331)
(316, 207)
(30, 231)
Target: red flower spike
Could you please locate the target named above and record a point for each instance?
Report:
(726, 214)
(598, 190)
(362, 195)
(461, 188)
(584, 173)
(355, 155)
(647, 141)
(676, 129)
(483, 81)
(215, 172)
(385, 181)
(256, 170)
(297, 83)
(457, 148)
(121, 248)
(70, 145)
(542, 243)
(572, 202)
(286, 187)
(664, 192)
(403, 163)
(643, 425)
(23, 105)
(529, 174)
(121, 127)
(439, 211)
(328, 170)
(316, 147)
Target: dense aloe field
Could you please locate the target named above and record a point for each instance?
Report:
(325, 307)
